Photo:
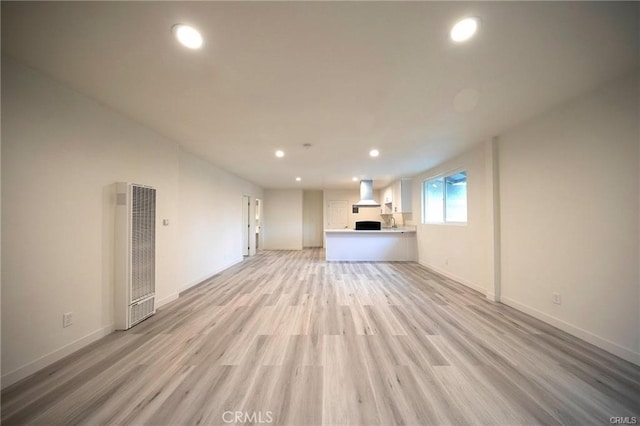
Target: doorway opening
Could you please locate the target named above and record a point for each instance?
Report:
(258, 223)
(246, 225)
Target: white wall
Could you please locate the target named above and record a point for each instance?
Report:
(556, 211)
(352, 197)
(569, 208)
(62, 152)
(210, 211)
(282, 223)
(458, 251)
(312, 212)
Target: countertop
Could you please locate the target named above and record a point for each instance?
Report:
(400, 230)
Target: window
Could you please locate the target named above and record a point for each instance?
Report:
(445, 199)
(434, 196)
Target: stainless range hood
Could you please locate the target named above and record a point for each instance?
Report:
(366, 195)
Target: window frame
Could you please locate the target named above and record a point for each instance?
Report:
(444, 177)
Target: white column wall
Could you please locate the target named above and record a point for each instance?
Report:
(569, 217)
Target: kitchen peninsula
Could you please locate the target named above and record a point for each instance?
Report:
(387, 244)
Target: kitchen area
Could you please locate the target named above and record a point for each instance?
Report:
(356, 223)
(370, 230)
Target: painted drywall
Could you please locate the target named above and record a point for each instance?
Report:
(210, 215)
(569, 216)
(458, 251)
(312, 218)
(352, 197)
(62, 153)
(282, 225)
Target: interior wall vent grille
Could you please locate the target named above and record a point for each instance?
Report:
(135, 254)
(141, 310)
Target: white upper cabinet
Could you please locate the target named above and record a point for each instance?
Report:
(386, 206)
(401, 196)
(387, 195)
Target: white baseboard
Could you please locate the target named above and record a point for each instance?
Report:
(165, 300)
(602, 343)
(492, 296)
(607, 345)
(209, 275)
(295, 248)
(48, 359)
(455, 278)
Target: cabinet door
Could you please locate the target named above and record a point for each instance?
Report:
(396, 197)
(385, 207)
(401, 190)
(405, 195)
(388, 195)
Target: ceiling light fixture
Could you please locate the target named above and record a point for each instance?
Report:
(463, 30)
(298, 179)
(374, 153)
(355, 179)
(279, 154)
(188, 36)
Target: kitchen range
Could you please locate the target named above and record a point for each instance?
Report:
(368, 225)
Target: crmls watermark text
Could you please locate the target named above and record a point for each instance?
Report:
(254, 417)
(623, 420)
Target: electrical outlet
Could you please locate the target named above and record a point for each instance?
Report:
(67, 319)
(556, 298)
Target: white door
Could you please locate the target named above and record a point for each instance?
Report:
(338, 215)
(246, 225)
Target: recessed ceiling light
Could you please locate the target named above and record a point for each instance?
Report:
(374, 153)
(188, 36)
(279, 154)
(463, 30)
(298, 179)
(355, 179)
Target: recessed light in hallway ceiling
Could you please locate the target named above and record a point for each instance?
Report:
(279, 154)
(187, 36)
(374, 153)
(464, 29)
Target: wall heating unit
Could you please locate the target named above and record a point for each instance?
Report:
(135, 253)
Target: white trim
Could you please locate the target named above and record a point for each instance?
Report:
(446, 173)
(209, 275)
(455, 278)
(56, 355)
(444, 176)
(492, 296)
(447, 223)
(170, 298)
(602, 343)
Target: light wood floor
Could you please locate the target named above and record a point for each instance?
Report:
(288, 337)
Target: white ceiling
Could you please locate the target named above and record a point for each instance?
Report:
(344, 77)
